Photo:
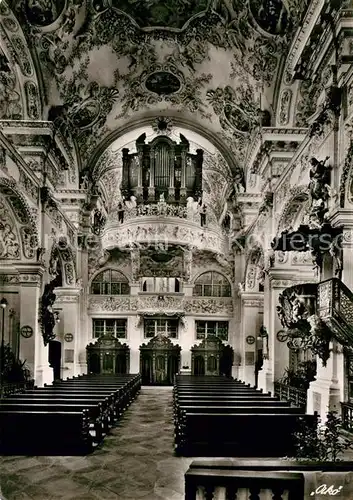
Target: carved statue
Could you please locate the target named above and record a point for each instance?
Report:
(40, 254)
(319, 191)
(336, 253)
(47, 314)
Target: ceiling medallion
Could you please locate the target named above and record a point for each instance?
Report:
(162, 83)
(44, 13)
(270, 15)
(162, 125)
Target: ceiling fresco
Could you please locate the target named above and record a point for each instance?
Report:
(107, 62)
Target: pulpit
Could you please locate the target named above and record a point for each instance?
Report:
(211, 357)
(159, 361)
(107, 356)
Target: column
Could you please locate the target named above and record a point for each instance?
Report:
(326, 391)
(187, 338)
(67, 300)
(251, 321)
(278, 357)
(32, 349)
(135, 333)
(84, 329)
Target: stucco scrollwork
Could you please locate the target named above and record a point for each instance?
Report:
(167, 305)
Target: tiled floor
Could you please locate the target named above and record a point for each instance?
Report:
(136, 461)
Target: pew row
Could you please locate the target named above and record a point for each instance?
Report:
(69, 417)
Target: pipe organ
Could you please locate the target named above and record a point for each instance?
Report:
(162, 167)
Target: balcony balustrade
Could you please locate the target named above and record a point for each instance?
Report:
(161, 223)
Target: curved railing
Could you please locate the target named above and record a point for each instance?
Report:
(161, 209)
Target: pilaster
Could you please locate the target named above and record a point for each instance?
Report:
(252, 304)
(278, 353)
(327, 390)
(32, 349)
(67, 303)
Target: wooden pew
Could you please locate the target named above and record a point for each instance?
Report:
(48, 433)
(237, 434)
(96, 403)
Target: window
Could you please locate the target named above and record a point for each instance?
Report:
(212, 284)
(110, 282)
(163, 326)
(110, 326)
(160, 285)
(212, 328)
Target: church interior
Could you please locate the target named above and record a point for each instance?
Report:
(176, 266)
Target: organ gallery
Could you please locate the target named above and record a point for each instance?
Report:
(175, 249)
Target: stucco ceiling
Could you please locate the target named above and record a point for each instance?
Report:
(105, 63)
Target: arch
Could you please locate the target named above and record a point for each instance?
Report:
(16, 50)
(293, 212)
(106, 268)
(207, 285)
(23, 216)
(62, 257)
(178, 121)
(116, 283)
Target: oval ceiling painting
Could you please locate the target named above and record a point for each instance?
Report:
(86, 114)
(162, 83)
(44, 12)
(161, 13)
(237, 118)
(270, 15)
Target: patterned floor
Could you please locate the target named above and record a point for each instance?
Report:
(136, 461)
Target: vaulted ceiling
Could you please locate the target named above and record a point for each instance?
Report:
(106, 63)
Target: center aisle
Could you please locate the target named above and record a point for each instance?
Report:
(145, 441)
(136, 461)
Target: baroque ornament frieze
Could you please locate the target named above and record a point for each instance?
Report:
(162, 234)
(167, 305)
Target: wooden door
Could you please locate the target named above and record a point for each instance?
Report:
(146, 369)
(199, 365)
(160, 374)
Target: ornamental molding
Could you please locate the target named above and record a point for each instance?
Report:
(168, 305)
(285, 283)
(9, 279)
(66, 299)
(253, 303)
(301, 38)
(29, 279)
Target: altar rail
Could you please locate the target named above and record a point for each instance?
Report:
(347, 416)
(297, 397)
(15, 387)
(279, 479)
